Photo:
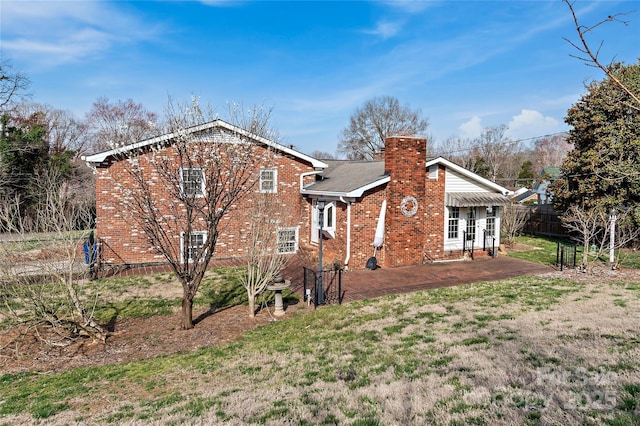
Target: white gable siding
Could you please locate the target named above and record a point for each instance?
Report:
(456, 182)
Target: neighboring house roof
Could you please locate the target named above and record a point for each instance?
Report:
(102, 156)
(346, 178)
(522, 195)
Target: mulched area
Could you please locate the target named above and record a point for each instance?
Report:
(132, 339)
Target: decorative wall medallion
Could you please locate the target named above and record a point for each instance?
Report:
(409, 206)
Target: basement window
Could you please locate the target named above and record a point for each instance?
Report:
(192, 245)
(287, 240)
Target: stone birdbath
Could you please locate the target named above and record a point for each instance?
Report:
(277, 285)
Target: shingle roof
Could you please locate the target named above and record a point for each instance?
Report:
(345, 176)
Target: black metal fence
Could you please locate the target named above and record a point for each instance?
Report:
(566, 255)
(331, 286)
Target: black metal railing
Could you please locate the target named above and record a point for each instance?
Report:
(467, 244)
(489, 244)
(331, 286)
(566, 255)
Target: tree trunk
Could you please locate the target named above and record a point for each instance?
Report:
(252, 305)
(187, 312)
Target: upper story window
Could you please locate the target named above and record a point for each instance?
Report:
(269, 180)
(192, 181)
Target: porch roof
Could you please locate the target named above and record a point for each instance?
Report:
(472, 199)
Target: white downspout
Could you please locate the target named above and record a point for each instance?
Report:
(346, 260)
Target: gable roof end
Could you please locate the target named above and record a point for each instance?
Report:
(96, 159)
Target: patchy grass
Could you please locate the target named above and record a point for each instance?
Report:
(520, 351)
(544, 250)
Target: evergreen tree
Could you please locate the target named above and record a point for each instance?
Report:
(603, 171)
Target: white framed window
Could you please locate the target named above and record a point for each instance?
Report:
(453, 223)
(269, 180)
(433, 172)
(471, 223)
(491, 220)
(191, 245)
(328, 220)
(287, 240)
(192, 181)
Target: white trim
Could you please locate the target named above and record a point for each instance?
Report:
(469, 174)
(327, 231)
(274, 189)
(102, 156)
(356, 193)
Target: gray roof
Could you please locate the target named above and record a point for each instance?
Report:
(345, 176)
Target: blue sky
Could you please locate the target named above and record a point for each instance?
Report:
(465, 64)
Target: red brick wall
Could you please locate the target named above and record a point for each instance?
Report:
(435, 222)
(405, 159)
(123, 242)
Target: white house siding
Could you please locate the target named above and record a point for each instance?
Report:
(455, 182)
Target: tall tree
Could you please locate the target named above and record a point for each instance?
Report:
(178, 193)
(497, 151)
(119, 123)
(550, 151)
(23, 152)
(13, 85)
(603, 170)
(376, 120)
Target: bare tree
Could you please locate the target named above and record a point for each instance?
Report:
(42, 286)
(591, 56)
(462, 151)
(265, 258)
(116, 124)
(13, 85)
(592, 228)
(512, 221)
(376, 120)
(498, 153)
(178, 192)
(321, 155)
(550, 151)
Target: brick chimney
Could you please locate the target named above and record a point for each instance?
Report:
(405, 162)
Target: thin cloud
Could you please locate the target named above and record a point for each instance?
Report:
(59, 32)
(410, 6)
(385, 29)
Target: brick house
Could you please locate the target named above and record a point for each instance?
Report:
(427, 209)
(417, 210)
(282, 176)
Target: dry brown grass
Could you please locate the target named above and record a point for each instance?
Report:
(541, 350)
